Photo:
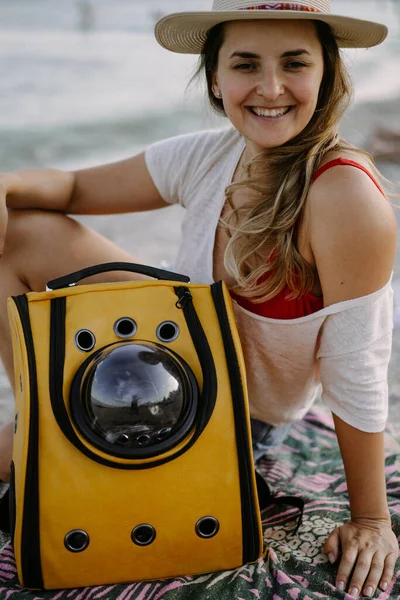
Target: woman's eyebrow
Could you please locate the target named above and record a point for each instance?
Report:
(294, 53)
(243, 54)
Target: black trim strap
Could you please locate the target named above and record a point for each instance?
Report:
(30, 535)
(250, 511)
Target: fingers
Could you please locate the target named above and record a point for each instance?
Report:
(388, 572)
(369, 554)
(346, 566)
(332, 546)
(369, 569)
(381, 572)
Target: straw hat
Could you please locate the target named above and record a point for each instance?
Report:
(186, 32)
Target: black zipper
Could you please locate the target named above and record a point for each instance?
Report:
(30, 531)
(199, 338)
(250, 509)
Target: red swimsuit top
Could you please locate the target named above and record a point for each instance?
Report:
(279, 307)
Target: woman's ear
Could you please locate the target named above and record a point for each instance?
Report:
(215, 86)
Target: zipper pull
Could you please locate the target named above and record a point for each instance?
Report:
(184, 297)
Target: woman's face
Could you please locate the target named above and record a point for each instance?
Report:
(269, 73)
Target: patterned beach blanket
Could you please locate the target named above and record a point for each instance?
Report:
(308, 464)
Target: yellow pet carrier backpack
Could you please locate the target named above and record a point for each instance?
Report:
(132, 450)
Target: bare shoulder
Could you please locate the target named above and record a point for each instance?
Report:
(352, 231)
(349, 154)
(346, 188)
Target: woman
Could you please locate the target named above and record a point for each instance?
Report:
(304, 237)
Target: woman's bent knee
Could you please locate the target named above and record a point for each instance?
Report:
(33, 242)
(35, 227)
(43, 245)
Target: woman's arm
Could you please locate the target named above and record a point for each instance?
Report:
(367, 541)
(121, 187)
(353, 239)
(364, 462)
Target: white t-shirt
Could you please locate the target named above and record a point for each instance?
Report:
(345, 347)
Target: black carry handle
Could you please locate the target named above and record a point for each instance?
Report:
(73, 278)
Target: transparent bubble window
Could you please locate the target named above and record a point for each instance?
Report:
(134, 399)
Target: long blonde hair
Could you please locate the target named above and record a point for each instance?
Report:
(273, 220)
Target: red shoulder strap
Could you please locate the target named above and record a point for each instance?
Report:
(351, 163)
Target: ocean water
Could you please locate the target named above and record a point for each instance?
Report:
(81, 87)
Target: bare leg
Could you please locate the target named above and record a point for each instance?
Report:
(40, 246)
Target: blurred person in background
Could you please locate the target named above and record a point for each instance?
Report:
(384, 145)
(86, 14)
(293, 219)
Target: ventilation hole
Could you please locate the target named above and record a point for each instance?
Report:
(85, 340)
(76, 540)
(207, 527)
(143, 535)
(162, 433)
(123, 439)
(125, 327)
(167, 331)
(143, 440)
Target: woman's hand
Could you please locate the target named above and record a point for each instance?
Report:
(369, 550)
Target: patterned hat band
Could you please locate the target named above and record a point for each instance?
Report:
(187, 32)
(320, 6)
(282, 6)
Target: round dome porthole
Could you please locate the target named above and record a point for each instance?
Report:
(134, 400)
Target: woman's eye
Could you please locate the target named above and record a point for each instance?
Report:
(295, 65)
(244, 67)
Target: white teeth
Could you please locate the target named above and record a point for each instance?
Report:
(273, 112)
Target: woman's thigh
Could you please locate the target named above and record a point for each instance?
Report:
(43, 245)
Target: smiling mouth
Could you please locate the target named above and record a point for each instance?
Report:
(270, 113)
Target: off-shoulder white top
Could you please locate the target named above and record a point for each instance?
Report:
(342, 351)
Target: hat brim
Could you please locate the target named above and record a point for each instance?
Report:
(186, 33)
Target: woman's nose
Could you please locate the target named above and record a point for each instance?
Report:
(270, 85)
